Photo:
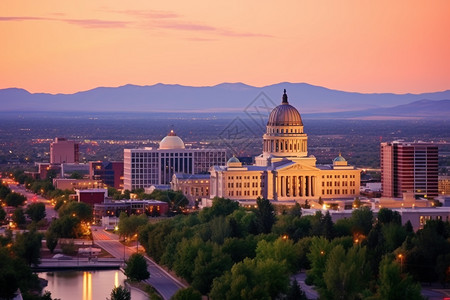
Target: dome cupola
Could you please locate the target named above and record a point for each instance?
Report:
(285, 114)
(171, 141)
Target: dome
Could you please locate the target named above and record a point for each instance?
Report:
(339, 158)
(233, 159)
(285, 114)
(171, 141)
(234, 162)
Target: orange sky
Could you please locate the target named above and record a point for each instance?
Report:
(365, 46)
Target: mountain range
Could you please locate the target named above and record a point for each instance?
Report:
(314, 101)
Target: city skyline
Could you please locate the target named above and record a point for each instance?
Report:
(399, 47)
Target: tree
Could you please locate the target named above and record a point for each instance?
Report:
(51, 240)
(120, 293)
(362, 220)
(129, 225)
(136, 268)
(188, 293)
(80, 210)
(295, 292)
(2, 215)
(19, 217)
(328, 226)
(282, 250)
(395, 285)
(385, 216)
(66, 227)
(251, 279)
(265, 215)
(4, 191)
(36, 211)
(15, 199)
(346, 274)
(28, 246)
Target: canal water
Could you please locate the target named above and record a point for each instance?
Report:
(86, 285)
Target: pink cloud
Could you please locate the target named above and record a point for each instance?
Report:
(86, 23)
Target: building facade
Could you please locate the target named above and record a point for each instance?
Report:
(136, 207)
(110, 172)
(156, 166)
(409, 167)
(194, 187)
(64, 151)
(285, 171)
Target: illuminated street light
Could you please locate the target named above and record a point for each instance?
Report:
(400, 256)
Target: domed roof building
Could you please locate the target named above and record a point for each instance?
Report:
(171, 141)
(285, 114)
(149, 166)
(285, 171)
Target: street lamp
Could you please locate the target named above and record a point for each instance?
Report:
(400, 256)
(137, 243)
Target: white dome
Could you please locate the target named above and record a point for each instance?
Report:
(171, 141)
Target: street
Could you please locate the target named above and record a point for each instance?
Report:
(163, 282)
(50, 212)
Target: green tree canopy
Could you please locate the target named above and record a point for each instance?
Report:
(136, 268)
(282, 250)
(346, 274)
(394, 285)
(80, 210)
(130, 225)
(120, 293)
(19, 217)
(36, 211)
(252, 279)
(265, 215)
(15, 199)
(28, 246)
(188, 293)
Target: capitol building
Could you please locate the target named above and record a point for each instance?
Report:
(284, 171)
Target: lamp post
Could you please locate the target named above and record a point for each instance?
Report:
(400, 256)
(137, 243)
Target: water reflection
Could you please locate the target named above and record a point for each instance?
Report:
(86, 285)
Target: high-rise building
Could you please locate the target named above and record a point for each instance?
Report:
(409, 167)
(110, 172)
(156, 166)
(285, 171)
(64, 151)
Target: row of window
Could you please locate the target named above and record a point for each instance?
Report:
(339, 176)
(338, 192)
(338, 183)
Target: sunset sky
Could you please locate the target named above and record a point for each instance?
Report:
(365, 46)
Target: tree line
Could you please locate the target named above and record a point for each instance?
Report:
(230, 252)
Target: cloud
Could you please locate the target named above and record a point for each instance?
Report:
(86, 23)
(173, 21)
(95, 23)
(149, 14)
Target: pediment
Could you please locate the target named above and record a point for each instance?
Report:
(297, 166)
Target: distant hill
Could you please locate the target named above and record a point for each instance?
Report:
(225, 97)
(431, 109)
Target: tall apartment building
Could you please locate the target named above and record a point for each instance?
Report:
(409, 167)
(156, 166)
(64, 151)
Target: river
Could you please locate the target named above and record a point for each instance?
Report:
(86, 285)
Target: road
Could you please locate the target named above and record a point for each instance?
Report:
(309, 290)
(163, 282)
(33, 198)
